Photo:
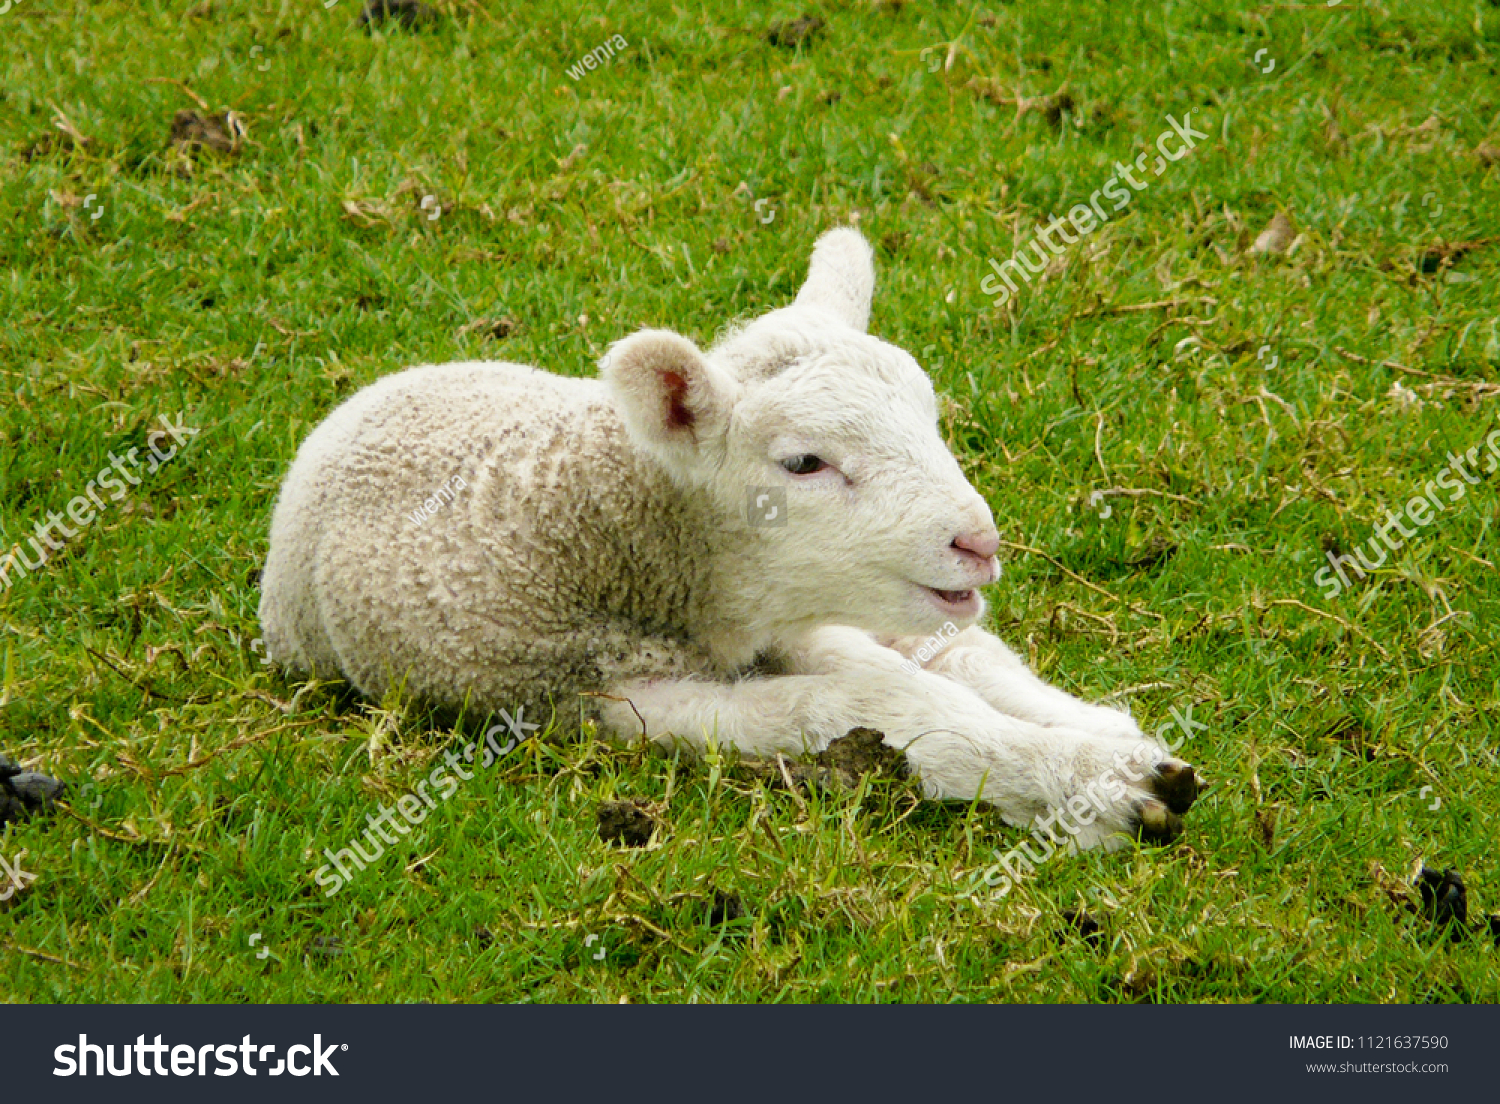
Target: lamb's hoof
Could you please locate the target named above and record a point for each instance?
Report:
(1156, 823)
(1174, 787)
(1177, 784)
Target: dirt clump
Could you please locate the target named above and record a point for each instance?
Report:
(192, 132)
(410, 14)
(25, 793)
(625, 823)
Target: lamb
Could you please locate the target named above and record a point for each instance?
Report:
(744, 547)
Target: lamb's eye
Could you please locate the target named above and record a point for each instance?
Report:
(803, 465)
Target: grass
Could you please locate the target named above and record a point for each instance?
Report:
(253, 290)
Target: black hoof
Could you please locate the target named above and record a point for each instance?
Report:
(1178, 785)
(1157, 824)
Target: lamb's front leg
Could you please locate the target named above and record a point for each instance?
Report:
(959, 746)
(982, 662)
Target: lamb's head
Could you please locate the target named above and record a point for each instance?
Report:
(818, 446)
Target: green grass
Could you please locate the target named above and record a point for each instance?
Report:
(255, 290)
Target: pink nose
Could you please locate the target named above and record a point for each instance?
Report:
(979, 545)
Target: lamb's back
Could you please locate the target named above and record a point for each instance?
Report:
(462, 527)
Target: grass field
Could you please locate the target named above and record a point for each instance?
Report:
(1258, 408)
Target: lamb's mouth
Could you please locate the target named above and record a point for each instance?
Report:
(955, 601)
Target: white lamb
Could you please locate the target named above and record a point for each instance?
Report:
(741, 546)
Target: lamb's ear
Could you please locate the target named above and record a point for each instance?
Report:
(841, 277)
(673, 399)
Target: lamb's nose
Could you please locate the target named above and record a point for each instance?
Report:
(981, 545)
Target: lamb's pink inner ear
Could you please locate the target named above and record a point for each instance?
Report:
(679, 415)
(672, 398)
